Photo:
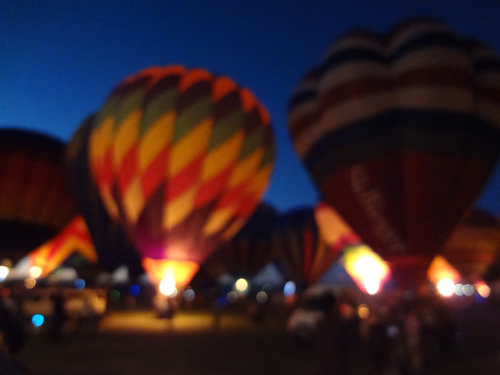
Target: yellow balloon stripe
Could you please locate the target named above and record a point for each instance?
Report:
(191, 146)
(134, 201)
(259, 181)
(218, 220)
(222, 157)
(126, 137)
(101, 139)
(158, 136)
(246, 168)
(177, 210)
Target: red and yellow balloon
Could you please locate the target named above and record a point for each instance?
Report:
(181, 158)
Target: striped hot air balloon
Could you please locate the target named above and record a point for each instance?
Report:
(35, 198)
(74, 238)
(250, 249)
(181, 158)
(400, 134)
(302, 253)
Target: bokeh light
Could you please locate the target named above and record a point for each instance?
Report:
(446, 287)
(483, 290)
(29, 283)
(114, 295)
(459, 289)
(167, 286)
(35, 272)
(469, 290)
(289, 289)
(37, 320)
(79, 284)
(232, 297)
(261, 297)
(189, 295)
(134, 290)
(363, 311)
(241, 285)
(4, 272)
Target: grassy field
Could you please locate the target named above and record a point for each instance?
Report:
(137, 343)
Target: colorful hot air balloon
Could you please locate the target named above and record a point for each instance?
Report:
(111, 242)
(75, 237)
(35, 199)
(474, 245)
(250, 249)
(334, 230)
(182, 158)
(300, 249)
(399, 134)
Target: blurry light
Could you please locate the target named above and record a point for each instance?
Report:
(346, 310)
(167, 286)
(35, 272)
(232, 297)
(468, 290)
(459, 290)
(114, 295)
(4, 272)
(289, 289)
(7, 263)
(189, 294)
(261, 297)
(446, 287)
(484, 290)
(221, 301)
(241, 285)
(366, 268)
(363, 311)
(393, 331)
(134, 290)
(479, 298)
(29, 283)
(37, 320)
(79, 284)
(4, 292)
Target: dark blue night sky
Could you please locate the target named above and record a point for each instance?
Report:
(59, 59)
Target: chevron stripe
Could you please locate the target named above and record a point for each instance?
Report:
(126, 136)
(158, 136)
(217, 221)
(175, 211)
(190, 147)
(133, 200)
(222, 157)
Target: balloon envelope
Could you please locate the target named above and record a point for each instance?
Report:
(182, 158)
(300, 249)
(400, 134)
(75, 237)
(35, 199)
(474, 245)
(250, 249)
(111, 242)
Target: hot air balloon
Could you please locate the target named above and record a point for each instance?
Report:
(301, 251)
(474, 245)
(35, 199)
(75, 237)
(181, 158)
(334, 230)
(250, 249)
(111, 242)
(400, 134)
